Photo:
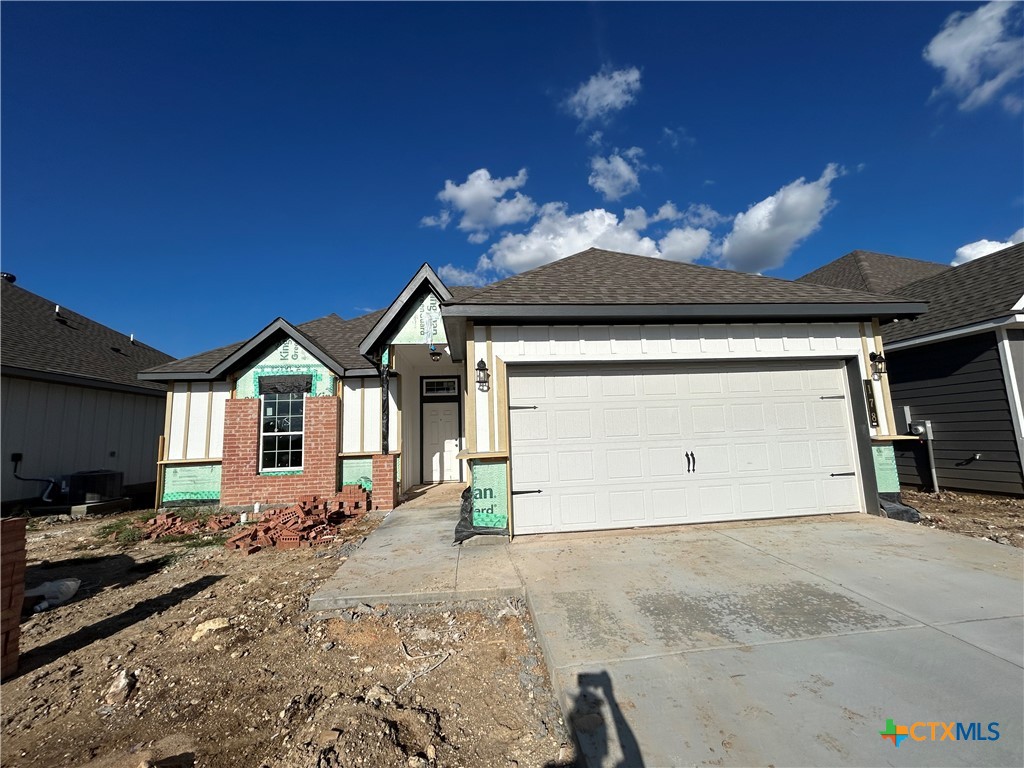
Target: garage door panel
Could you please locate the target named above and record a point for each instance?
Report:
(529, 425)
(748, 417)
(800, 496)
(621, 422)
(669, 503)
(578, 509)
(708, 419)
(751, 457)
(626, 507)
(663, 422)
(666, 462)
(625, 464)
(765, 438)
(573, 424)
(533, 513)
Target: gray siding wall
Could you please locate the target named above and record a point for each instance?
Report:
(959, 386)
(61, 429)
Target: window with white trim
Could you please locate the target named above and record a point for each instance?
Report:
(440, 387)
(281, 431)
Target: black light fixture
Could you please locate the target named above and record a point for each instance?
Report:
(435, 353)
(877, 365)
(482, 376)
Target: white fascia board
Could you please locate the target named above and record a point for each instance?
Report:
(967, 330)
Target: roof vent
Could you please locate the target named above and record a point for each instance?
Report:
(9, 277)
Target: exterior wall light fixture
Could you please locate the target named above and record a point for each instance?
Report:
(482, 376)
(877, 365)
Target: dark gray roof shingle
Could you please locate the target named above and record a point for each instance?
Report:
(872, 272)
(983, 289)
(35, 338)
(596, 276)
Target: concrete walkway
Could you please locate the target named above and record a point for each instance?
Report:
(409, 559)
(785, 643)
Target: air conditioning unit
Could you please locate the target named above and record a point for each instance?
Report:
(95, 485)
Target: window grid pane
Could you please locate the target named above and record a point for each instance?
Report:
(281, 431)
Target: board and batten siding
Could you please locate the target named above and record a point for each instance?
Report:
(502, 345)
(959, 385)
(61, 429)
(195, 420)
(361, 412)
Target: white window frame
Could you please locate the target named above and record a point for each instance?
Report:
(301, 433)
(453, 380)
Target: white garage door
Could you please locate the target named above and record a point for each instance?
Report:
(623, 446)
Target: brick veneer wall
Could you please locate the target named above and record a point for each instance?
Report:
(241, 482)
(12, 587)
(385, 481)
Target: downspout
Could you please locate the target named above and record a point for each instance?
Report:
(384, 371)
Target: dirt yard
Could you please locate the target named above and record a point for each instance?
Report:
(998, 518)
(177, 654)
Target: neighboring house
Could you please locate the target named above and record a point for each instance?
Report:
(960, 366)
(71, 399)
(604, 390)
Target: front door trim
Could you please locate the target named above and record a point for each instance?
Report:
(445, 398)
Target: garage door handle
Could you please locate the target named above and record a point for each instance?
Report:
(691, 462)
(843, 474)
(832, 397)
(520, 493)
(522, 407)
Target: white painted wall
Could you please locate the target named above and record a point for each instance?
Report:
(61, 429)
(650, 343)
(196, 420)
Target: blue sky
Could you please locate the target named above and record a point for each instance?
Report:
(188, 172)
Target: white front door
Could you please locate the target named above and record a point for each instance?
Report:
(440, 442)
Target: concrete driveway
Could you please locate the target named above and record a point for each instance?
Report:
(781, 643)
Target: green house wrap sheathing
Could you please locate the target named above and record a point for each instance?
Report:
(357, 472)
(490, 497)
(191, 482)
(286, 359)
(885, 468)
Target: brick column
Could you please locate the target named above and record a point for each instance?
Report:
(12, 591)
(385, 481)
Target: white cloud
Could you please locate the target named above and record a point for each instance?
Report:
(767, 232)
(617, 175)
(482, 205)
(557, 233)
(596, 138)
(605, 93)
(677, 136)
(686, 244)
(981, 55)
(452, 275)
(702, 215)
(979, 248)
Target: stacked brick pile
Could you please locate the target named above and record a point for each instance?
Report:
(12, 590)
(314, 520)
(170, 524)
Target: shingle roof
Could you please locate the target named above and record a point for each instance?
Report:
(338, 338)
(983, 289)
(597, 276)
(35, 338)
(872, 272)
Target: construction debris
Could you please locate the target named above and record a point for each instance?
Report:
(170, 524)
(312, 521)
